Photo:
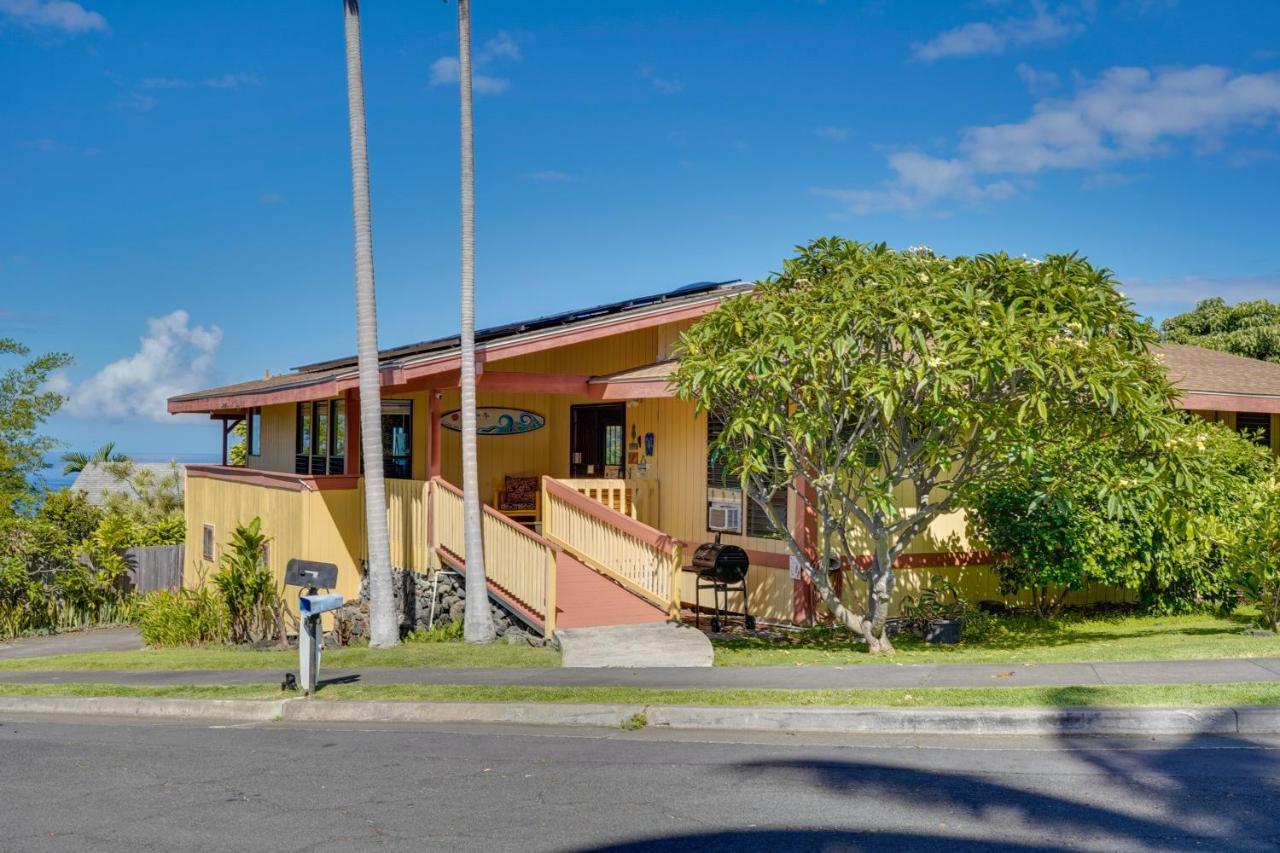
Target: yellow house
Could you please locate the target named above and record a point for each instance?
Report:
(597, 479)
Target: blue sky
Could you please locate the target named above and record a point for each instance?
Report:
(192, 157)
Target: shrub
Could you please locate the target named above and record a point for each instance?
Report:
(1055, 530)
(443, 632)
(248, 588)
(942, 599)
(1257, 555)
(185, 617)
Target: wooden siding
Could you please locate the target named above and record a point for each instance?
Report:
(325, 525)
(279, 425)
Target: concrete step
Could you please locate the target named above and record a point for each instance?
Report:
(644, 645)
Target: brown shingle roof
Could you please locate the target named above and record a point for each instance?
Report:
(1195, 369)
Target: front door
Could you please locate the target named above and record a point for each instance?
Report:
(597, 442)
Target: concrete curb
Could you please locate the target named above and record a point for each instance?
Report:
(1253, 720)
(240, 710)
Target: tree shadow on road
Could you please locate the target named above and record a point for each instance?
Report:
(1202, 793)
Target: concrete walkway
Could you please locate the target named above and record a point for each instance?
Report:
(75, 642)
(796, 678)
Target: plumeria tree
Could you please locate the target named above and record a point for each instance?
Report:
(889, 382)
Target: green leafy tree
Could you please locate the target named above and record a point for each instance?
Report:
(238, 453)
(1250, 329)
(25, 403)
(1049, 523)
(866, 372)
(1257, 556)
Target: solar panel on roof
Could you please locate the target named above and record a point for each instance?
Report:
(524, 326)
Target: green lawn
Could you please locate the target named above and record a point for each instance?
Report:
(1060, 697)
(1024, 640)
(405, 655)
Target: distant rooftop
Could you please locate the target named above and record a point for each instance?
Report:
(97, 482)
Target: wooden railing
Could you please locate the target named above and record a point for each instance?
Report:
(635, 498)
(642, 559)
(519, 562)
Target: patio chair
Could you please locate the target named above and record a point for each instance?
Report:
(520, 499)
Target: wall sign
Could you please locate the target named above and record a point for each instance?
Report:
(496, 420)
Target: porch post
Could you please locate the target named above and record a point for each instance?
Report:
(433, 408)
(224, 443)
(351, 464)
(804, 530)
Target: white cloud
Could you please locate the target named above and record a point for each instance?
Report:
(70, 18)
(1165, 296)
(1038, 82)
(445, 70)
(1125, 114)
(551, 176)
(234, 80)
(835, 134)
(173, 357)
(661, 85)
(135, 101)
(989, 37)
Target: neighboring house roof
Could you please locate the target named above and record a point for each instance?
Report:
(439, 356)
(97, 482)
(1196, 369)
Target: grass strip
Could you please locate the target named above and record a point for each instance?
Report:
(438, 655)
(1154, 695)
(1020, 639)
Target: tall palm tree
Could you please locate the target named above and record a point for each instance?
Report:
(384, 630)
(478, 621)
(75, 462)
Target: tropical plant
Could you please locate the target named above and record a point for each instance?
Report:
(477, 620)
(75, 462)
(183, 617)
(1257, 555)
(864, 373)
(148, 497)
(1250, 329)
(384, 629)
(248, 587)
(1049, 523)
(25, 403)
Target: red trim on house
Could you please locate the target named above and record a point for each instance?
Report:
(292, 394)
(932, 559)
(625, 523)
(274, 479)
(434, 406)
(1229, 402)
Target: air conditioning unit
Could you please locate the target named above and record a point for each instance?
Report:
(724, 517)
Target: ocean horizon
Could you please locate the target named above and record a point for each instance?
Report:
(54, 480)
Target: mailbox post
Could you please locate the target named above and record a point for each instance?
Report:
(312, 576)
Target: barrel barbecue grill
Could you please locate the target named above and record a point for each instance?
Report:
(721, 569)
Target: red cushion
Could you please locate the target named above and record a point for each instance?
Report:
(520, 493)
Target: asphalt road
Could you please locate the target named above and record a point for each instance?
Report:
(131, 786)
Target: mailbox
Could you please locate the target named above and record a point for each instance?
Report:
(311, 575)
(314, 605)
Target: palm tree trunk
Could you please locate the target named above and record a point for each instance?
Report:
(384, 630)
(478, 622)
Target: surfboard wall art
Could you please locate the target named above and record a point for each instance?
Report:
(496, 420)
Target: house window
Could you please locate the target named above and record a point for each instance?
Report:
(724, 490)
(320, 442)
(254, 436)
(206, 542)
(397, 439)
(1256, 425)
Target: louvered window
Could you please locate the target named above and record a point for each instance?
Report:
(1256, 425)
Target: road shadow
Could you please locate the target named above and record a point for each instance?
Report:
(1200, 793)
